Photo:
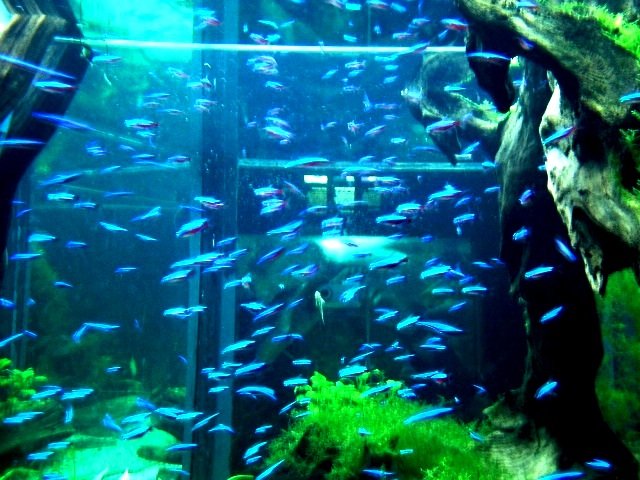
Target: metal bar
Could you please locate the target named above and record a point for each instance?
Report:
(224, 171)
(265, 49)
(338, 166)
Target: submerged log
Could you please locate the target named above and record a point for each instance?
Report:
(574, 77)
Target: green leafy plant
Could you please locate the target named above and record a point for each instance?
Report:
(16, 388)
(338, 432)
(618, 384)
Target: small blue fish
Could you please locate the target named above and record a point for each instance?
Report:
(427, 414)
(121, 270)
(61, 197)
(221, 427)
(204, 421)
(376, 473)
(146, 238)
(39, 456)
(76, 394)
(68, 414)
(60, 179)
(350, 294)
(267, 312)
(538, 272)
(295, 382)
(440, 327)
(192, 227)
(562, 475)
(136, 432)
(630, 98)
(136, 418)
(40, 238)
(598, 464)
(351, 371)
(239, 345)
(8, 304)
(255, 390)
(20, 143)
(109, 422)
(287, 337)
(49, 391)
(249, 369)
(386, 315)
(12, 338)
(521, 235)
(546, 389)
(61, 121)
(262, 331)
(180, 447)
(22, 257)
(261, 430)
(388, 263)
(269, 470)
(153, 213)
(112, 227)
(410, 320)
(379, 389)
(177, 276)
(551, 314)
(457, 307)
(558, 135)
(564, 250)
(271, 256)
(253, 450)
(58, 445)
(301, 362)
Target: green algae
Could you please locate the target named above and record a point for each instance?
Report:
(338, 432)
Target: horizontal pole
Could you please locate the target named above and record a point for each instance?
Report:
(251, 48)
(339, 166)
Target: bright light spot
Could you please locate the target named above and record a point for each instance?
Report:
(5, 18)
(317, 179)
(344, 249)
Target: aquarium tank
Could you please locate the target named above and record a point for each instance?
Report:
(319, 239)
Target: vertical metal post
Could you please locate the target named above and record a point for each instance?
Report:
(20, 280)
(219, 177)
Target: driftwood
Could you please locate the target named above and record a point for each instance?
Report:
(29, 37)
(574, 77)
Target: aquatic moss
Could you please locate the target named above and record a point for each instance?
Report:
(339, 433)
(615, 26)
(618, 383)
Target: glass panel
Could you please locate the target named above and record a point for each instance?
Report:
(100, 211)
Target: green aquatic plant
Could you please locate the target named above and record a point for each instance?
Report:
(21, 473)
(16, 388)
(340, 430)
(618, 383)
